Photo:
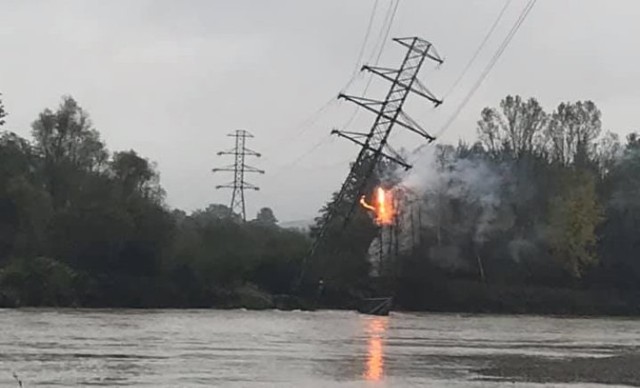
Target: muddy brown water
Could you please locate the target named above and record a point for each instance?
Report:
(236, 348)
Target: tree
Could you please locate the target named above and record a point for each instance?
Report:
(572, 131)
(3, 114)
(24, 204)
(620, 240)
(265, 217)
(573, 219)
(136, 176)
(608, 152)
(70, 148)
(516, 129)
(67, 136)
(214, 213)
(39, 281)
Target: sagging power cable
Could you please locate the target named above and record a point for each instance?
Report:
(523, 15)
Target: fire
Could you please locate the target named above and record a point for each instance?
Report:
(385, 207)
(382, 207)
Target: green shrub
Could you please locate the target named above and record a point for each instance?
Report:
(39, 281)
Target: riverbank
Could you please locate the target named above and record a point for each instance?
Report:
(454, 296)
(466, 296)
(619, 369)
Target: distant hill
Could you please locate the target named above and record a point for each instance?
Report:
(302, 225)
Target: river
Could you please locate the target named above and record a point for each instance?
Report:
(237, 348)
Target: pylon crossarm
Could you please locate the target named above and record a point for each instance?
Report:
(228, 168)
(348, 136)
(415, 127)
(387, 117)
(354, 134)
(253, 169)
(240, 133)
(421, 46)
(247, 185)
(426, 93)
(391, 151)
(248, 151)
(384, 70)
(422, 93)
(395, 159)
(365, 105)
(360, 100)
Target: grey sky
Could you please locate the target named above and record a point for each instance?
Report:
(171, 78)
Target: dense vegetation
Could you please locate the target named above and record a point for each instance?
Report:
(81, 226)
(542, 214)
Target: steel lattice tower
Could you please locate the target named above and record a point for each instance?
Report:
(374, 146)
(239, 168)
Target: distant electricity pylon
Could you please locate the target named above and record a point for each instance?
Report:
(239, 168)
(374, 146)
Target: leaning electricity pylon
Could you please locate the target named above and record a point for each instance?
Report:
(388, 113)
(374, 146)
(239, 168)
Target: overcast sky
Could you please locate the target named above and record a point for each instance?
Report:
(171, 78)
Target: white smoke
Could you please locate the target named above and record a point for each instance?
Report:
(522, 250)
(477, 185)
(438, 179)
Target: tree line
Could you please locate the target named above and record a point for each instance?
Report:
(81, 226)
(540, 214)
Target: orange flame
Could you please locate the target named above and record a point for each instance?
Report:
(383, 207)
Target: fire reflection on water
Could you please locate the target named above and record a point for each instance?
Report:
(376, 327)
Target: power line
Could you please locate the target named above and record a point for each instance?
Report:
(386, 34)
(340, 163)
(479, 49)
(391, 13)
(325, 140)
(366, 39)
(304, 126)
(490, 65)
(311, 168)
